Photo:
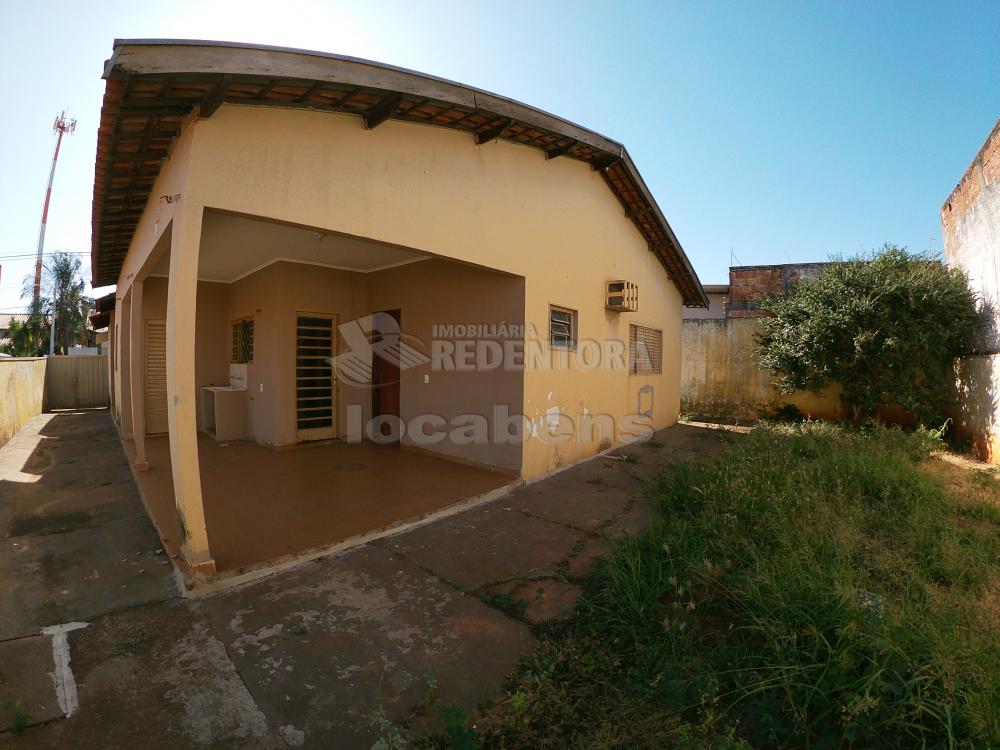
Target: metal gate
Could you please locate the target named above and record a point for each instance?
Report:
(77, 382)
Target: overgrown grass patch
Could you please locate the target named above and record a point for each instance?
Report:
(818, 587)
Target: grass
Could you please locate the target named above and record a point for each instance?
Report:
(817, 588)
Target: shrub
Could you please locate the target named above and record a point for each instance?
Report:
(886, 328)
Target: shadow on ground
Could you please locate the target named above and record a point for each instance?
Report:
(308, 657)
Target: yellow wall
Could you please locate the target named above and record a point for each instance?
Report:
(720, 376)
(555, 224)
(22, 392)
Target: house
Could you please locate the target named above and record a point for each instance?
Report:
(718, 296)
(970, 225)
(720, 376)
(5, 321)
(349, 295)
(747, 286)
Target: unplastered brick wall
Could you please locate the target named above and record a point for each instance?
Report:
(970, 226)
(972, 194)
(750, 284)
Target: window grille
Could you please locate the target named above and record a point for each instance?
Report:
(645, 349)
(562, 328)
(242, 341)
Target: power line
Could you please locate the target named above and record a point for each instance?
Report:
(24, 256)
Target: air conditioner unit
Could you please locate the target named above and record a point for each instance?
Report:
(623, 296)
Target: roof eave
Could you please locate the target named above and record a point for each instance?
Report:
(197, 58)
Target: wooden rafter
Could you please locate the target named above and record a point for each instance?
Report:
(143, 112)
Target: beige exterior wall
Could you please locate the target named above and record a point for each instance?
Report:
(22, 393)
(512, 232)
(500, 206)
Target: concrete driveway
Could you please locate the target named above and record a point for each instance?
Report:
(92, 625)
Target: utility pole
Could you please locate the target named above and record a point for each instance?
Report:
(52, 326)
(60, 127)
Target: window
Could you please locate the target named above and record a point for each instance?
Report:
(645, 350)
(562, 327)
(242, 341)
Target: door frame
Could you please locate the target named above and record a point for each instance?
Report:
(375, 405)
(317, 433)
(145, 375)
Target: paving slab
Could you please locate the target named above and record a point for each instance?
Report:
(492, 543)
(328, 647)
(586, 557)
(542, 599)
(54, 578)
(26, 685)
(154, 677)
(75, 541)
(576, 498)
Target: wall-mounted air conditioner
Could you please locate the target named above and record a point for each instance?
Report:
(623, 296)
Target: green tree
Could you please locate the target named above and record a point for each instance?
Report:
(28, 338)
(62, 295)
(887, 328)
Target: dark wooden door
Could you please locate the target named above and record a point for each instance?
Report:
(385, 374)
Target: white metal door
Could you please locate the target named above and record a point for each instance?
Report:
(315, 385)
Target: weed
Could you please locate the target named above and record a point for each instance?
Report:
(788, 413)
(390, 736)
(630, 458)
(506, 603)
(19, 717)
(654, 444)
(596, 481)
(458, 733)
(815, 589)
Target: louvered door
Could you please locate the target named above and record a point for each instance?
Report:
(155, 348)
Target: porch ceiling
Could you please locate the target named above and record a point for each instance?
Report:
(154, 85)
(235, 246)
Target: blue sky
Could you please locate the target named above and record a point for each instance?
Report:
(773, 131)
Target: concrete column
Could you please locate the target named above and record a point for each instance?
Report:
(185, 240)
(112, 355)
(124, 379)
(137, 375)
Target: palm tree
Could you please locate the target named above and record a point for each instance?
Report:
(62, 295)
(29, 338)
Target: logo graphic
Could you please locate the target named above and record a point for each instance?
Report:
(375, 336)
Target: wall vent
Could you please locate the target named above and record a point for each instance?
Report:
(623, 296)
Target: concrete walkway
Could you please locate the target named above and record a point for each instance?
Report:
(314, 656)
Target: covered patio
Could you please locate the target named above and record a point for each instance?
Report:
(266, 507)
(285, 462)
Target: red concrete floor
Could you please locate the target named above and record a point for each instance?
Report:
(265, 506)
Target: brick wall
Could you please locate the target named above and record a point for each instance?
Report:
(972, 196)
(970, 227)
(749, 284)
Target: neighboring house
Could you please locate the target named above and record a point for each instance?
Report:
(5, 319)
(310, 247)
(747, 286)
(720, 377)
(718, 295)
(970, 222)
